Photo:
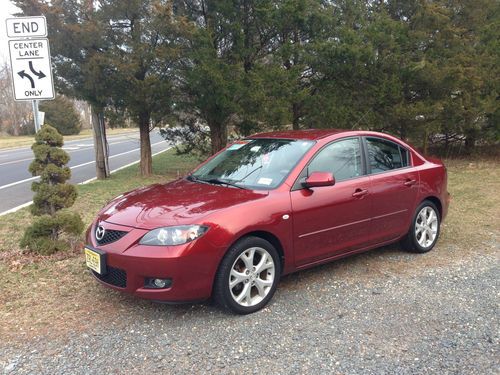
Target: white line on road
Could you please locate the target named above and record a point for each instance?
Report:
(69, 149)
(122, 167)
(17, 208)
(28, 147)
(74, 167)
(15, 161)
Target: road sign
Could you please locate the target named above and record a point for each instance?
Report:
(26, 27)
(31, 69)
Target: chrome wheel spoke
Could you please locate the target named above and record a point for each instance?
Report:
(244, 297)
(236, 278)
(262, 286)
(431, 218)
(423, 239)
(265, 263)
(423, 217)
(247, 258)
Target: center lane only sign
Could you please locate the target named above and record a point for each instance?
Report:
(31, 69)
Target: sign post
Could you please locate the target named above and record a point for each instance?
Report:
(31, 68)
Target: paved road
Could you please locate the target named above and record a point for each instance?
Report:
(15, 180)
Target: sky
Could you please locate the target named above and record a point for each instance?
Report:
(7, 9)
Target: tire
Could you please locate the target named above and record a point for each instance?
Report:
(239, 286)
(422, 238)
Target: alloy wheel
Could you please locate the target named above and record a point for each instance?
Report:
(426, 227)
(252, 276)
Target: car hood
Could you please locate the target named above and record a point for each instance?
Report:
(174, 203)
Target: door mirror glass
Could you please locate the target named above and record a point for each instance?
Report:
(317, 179)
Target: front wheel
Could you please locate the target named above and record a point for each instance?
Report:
(248, 276)
(424, 231)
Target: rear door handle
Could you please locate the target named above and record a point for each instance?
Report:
(410, 182)
(359, 193)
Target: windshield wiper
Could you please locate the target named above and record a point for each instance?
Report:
(218, 181)
(251, 172)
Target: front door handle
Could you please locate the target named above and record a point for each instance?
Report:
(359, 193)
(410, 182)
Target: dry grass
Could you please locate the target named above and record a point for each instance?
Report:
(52, 294)
(10, 141)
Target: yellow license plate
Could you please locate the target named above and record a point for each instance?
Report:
(93, 260)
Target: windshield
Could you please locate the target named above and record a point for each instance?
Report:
(254, 163)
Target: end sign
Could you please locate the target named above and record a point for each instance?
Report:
(30, 58)
(26, 27)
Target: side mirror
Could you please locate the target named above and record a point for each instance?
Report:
(317, 179)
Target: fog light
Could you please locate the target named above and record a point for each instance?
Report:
(154, 283)
(160, 283)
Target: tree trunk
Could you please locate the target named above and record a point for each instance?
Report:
(402, 132)
(470, 141)
(296, 116)
(146, 158)
(426, 143)
(218, 137)
(101, 155)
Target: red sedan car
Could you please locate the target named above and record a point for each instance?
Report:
(263, 207)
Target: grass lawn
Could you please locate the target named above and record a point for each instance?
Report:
(10, 141)
(47, 295)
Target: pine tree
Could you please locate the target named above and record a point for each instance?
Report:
(52, 194)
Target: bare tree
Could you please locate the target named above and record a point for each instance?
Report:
(15, 117)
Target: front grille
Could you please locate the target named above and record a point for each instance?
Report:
(110, 236)
(114, 276)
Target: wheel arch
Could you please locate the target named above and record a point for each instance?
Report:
(268, 236)
(437, 202)
(265, 235)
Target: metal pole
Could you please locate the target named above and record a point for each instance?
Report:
(35, 115)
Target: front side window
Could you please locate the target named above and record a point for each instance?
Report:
(259, 164)
(384, 155)
(341, 158)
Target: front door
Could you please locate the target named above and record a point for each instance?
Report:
(332, 219)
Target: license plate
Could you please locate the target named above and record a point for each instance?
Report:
(95, 260)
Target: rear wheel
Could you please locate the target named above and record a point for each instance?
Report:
(248, 276)
(424, 231)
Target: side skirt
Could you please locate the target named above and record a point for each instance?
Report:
(344, 255)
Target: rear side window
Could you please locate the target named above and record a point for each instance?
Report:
(384, 155)
(342, 158)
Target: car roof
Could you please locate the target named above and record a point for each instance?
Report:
(317, 134)
(309, 134)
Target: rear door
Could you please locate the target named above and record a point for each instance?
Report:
(394, 188)
(330, 220)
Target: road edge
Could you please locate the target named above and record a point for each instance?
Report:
(21, 206)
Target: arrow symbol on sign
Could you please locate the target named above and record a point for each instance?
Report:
(22, 74)
(39, 74)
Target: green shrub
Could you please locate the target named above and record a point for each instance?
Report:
(43, 236)
(53, 194)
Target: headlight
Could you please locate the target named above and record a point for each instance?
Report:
(169, 236)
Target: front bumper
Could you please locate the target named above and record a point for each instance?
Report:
(191, 267)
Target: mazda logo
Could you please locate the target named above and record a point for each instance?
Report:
(99, 233)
